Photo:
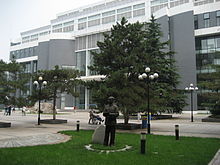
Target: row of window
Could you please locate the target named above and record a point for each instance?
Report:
(207, 44)
(110, 19)
(159, 4)
(207, 20)
(22, 53)
(94, 20)
(106, 17)
(88, 41)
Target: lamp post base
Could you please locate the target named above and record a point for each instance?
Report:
(148, 128)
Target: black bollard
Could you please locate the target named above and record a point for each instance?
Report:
(177, 132)
(77, 125)
(143, 142)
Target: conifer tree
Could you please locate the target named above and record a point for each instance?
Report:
(58, 81)
(123, 55)
(12, 79)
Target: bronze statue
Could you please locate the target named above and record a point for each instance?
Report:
(110, 113)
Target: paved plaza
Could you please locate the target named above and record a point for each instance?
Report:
(24, 130)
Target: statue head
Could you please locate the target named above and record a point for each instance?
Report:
(111, 99)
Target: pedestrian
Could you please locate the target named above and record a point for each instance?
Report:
(110, 113)
(13, 109)
(6, 110)
(23, 111)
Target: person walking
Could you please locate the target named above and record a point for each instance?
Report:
(9, 110)
(110, 113)
(6, 111)
(23, 111)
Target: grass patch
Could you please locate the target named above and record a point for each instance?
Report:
(161, 150)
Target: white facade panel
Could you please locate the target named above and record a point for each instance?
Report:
(27, 59)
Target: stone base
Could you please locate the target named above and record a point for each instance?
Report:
(4, 125)
(51, 121)
(154, 117)
(159, 117)
(129, 126)
(211, 119)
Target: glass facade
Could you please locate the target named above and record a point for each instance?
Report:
(207, 54)
(218, 18)
(81, 62)
(22, 53)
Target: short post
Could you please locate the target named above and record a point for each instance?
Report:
(177, 132)
(77, 125)
(143, 142)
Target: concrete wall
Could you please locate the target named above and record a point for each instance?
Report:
(56, 52)
(43, 55)
(183, 44)
(61, 53)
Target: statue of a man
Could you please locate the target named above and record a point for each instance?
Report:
(110, 113)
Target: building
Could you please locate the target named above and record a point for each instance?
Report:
(193, 26)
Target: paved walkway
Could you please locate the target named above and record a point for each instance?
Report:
(33, 140)
(24, 130)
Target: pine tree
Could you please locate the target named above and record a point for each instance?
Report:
(58, 81)
(12, 79)
(123, 55)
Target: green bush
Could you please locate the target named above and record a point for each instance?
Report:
(216, 109)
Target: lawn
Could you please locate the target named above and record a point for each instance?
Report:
(161, 150)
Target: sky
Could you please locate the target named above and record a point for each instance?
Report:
(21, 15)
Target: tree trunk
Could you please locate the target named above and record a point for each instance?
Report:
(54, 103)
(126, 116)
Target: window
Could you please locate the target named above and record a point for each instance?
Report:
(218, 18)
(108, 13)
(82, 20)
(139, 12)
(68, 23)
(206, 18)
(109, 19)
(123, 10)
(93, 39)
(196, 22)
(68, 28)
(57, 26)
(81, 43)
(93, 17)
(138, 6)
(35, 66)
(31, 51)
(81, 62)
(94, 22)
(57, 30)
(217, 40)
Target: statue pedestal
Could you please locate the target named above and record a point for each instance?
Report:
(99, 135)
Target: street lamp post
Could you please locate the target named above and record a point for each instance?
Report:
(39, 83)
(191, 88)
(148, 77)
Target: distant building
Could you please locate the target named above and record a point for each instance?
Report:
(192, 26)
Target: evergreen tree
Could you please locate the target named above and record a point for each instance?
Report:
(58, 81)
(12, 79)
(123, 55)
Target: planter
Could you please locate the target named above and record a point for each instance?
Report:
(129, 126)
(159, 117)
(211, 119)
(51, 121)
(4, 125)
(154, 117)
